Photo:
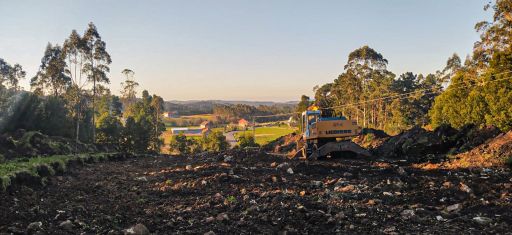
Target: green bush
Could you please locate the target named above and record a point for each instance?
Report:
(508, 162)
(247, 140)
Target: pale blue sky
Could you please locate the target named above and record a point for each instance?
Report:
(240, 49)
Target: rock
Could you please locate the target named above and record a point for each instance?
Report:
(340, 215)
(143, 178)
(283, 165)
(348, 188)
(401, 171)
(290, 171)
(440, 218)
(67, 225)
(387, 194)
(228, 158)
(35, 226)
(465, 188)
(302, 193)
(273, 165)
(188, 168)
(222, 217)
(347, 174)
(210, 219)
(316, 183)
(454, 207)
(274, 179)
(203, 182)
(231, 172)
(209, 233)
(391, 229)
(482, 220)
(407, 214)
(138, 229)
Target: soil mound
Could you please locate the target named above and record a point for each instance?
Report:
(371, 138)
(284, 145)
(32, 143)
(493, 152)
(419, 145)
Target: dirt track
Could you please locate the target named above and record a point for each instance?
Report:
(252, 194)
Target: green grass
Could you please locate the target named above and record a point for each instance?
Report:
(30, 165)
(264, 135)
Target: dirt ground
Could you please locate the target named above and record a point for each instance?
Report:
(233, 193)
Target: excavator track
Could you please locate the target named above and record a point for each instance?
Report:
(330, 149)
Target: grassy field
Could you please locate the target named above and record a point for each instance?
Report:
(188, 120)
(266, 134)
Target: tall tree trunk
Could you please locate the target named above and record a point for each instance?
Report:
(93, 103)
(77, 122)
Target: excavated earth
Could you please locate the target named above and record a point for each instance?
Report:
(241, 192)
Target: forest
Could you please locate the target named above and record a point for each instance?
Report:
(69, 97)
(476, 90)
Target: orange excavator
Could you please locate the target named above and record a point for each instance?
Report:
(325, 135)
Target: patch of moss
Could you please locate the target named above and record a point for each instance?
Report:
(5, 182)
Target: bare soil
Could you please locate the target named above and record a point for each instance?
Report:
(244, 192)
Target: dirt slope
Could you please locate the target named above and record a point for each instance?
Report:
(256, 193)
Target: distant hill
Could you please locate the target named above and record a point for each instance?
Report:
(189, 107)
(252, 103)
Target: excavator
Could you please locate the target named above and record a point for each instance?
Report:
(325, 135)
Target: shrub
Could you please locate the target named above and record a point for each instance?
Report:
(247, 140)
(508, 162)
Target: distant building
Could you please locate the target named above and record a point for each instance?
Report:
(242, 123)
(186, 131)
(166, 114)
(206, 125)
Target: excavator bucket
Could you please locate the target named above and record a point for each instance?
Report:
(332, 148)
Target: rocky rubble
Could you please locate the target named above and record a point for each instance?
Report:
(419, 145)
(252, 192)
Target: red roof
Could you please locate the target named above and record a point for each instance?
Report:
(243, 122)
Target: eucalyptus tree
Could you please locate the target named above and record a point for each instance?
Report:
(76, 51)
(128, 89)
(365, 78)
(51, 77)
(11, 75)
(97, 63)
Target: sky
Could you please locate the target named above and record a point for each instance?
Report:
(265, 50)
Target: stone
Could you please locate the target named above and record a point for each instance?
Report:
(401, 171)
(222, 217)
(407, 214)
(290, 171)
(228, 158)
(209, 233)
(316, 183)
(465, 188)
(482, 220)
(454, 207)
(188, 167)
(67, 225)
(138, 229)
(210, 219)
(35, 226)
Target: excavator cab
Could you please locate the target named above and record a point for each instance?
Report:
(324, 134)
